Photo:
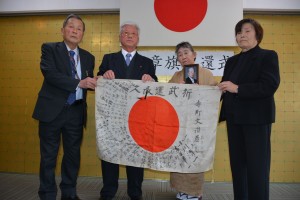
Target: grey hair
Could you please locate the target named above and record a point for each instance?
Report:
(130, 24)
(73, 16)
(184, 45)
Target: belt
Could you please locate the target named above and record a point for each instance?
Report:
(80, 101)
(77, 102)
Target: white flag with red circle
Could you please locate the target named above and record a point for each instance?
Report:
(168, 22)
(161, 126)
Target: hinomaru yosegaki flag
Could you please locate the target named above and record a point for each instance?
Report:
(161, 126)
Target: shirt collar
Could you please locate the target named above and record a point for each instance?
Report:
(124, 52)
(75, 50)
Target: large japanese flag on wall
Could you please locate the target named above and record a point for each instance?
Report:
(161, 126)
(168, 22)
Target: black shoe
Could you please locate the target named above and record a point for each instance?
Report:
(70, 198)
(136, 198)
(105, 198)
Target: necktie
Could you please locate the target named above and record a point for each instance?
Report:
(128, 59)
(72, 96)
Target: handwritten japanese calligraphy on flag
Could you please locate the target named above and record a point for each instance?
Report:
(161, 126)
(168, 22)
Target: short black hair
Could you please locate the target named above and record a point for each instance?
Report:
(259, 32)
(73, 16)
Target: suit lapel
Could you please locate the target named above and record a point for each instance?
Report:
(120, 64)
(64, 55)
(228, 70)
(120, 60)
(138, 62)
(83, 63)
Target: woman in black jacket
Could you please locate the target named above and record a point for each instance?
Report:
(249, 82)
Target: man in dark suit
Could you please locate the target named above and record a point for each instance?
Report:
(125, 64)
(190, 79)
(61, 107)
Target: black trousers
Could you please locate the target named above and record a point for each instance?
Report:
(110, 174)
(250, 154)
(69, 126)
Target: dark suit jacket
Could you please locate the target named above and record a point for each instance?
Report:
(58, 82)
(139, 66)
(257, 82)
(189, 81)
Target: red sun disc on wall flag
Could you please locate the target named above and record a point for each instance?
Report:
(180, 15)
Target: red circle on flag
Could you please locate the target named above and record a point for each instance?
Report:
(180, 15)
(153, 124)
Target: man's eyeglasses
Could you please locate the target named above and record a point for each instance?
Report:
(126, 34)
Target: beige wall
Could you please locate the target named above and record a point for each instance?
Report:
(20, 80)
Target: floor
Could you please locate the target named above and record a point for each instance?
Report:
(25, 186)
